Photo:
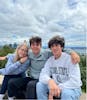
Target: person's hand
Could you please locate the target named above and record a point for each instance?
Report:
(54, 89)
(75, 57)
(22, 60)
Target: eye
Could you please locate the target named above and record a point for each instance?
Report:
(23, 50)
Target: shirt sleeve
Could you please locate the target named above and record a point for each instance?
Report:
(8, 56)
(14, 67)
(49, 53)
(10, 67)
(68, 50)
(24, 66)
(45, 73)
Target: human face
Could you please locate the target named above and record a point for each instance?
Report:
(36, 48)
(22, 51)
(56, 50)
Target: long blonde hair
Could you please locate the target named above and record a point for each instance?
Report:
(16, 51)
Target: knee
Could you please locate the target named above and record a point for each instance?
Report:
(66, 94)
(40, 87)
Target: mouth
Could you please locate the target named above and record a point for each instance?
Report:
(55, 50)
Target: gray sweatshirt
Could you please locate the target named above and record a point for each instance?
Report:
(63, 71)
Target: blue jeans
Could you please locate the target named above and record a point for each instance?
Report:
(66, 94)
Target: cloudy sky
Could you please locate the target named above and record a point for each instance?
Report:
(21, 19)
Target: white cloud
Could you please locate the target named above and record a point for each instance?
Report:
(43, 17)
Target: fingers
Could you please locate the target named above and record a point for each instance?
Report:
(50, 97)
(55, 92)
(75, 58)
(51, 92)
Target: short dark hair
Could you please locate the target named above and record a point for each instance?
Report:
(35, 39)
(56, 40)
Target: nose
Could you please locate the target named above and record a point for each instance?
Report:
(35, 45)
(54, 47)
(23, 51)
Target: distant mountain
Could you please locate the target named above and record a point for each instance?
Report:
(80, 50)
(76, 47)
(69, 47)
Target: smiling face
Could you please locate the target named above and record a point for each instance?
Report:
(22, 51)
(36, 47)
(35, 44)
(56, 44)
(56, 50)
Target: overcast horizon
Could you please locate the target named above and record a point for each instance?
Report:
(21, 19)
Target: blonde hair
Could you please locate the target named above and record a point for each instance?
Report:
(16, 51)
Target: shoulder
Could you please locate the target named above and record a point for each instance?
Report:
(50, 59)
(10, 55)
(46, 52)
(66, 55)
(67, 58)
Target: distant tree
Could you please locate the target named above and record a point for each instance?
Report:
(15, 45)
(83, 72)
(3, 52)
(7, 49)
(10, 45)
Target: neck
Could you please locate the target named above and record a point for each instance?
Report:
(36, 53)
(57, 56)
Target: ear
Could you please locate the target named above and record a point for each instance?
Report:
(62, 48)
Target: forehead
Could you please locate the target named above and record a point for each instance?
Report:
(57, 45)
(24, 47)
(35, 43)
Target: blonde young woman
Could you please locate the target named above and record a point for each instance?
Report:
(15, 67)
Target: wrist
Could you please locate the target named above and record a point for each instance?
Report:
(20, 61)
(51, 81)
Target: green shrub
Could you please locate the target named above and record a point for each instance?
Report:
(83, 71)
(3, 52)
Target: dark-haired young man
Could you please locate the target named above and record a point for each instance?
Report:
(37, 57)
(59, 77)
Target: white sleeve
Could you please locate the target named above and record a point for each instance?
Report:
(45, 73)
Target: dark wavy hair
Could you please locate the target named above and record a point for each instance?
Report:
(56, 40)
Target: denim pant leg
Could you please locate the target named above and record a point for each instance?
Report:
(42, 91)
(70, 94)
